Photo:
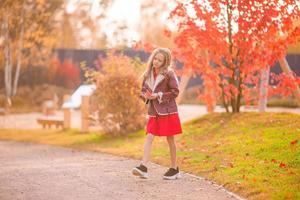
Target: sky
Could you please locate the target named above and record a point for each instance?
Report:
(127, 11)
(121, 11)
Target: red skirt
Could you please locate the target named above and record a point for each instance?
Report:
(164, 125)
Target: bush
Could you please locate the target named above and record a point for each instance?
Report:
(283, 102)
(65, 74)
(117, 95)
(30, 99)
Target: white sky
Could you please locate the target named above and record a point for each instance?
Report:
(127, 11)
(121, 11)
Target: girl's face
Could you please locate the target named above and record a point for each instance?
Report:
(158, 60)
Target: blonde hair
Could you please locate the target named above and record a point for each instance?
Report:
(167, 62)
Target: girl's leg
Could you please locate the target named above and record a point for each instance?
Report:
(172, 147)
(147, 148)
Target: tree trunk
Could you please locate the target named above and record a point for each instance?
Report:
(239, 95)
(209, 95)
(20, 48)
(182, 86)
(233, 96)
(225, 104)
(263, 94)
(8, 62)
(233, 100)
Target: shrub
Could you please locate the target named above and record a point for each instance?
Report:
(279, 101)
(66, 73)
(30, 99)
(117, 95)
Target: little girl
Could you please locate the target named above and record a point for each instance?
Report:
(159, 90)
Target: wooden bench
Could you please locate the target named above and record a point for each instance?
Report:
(48, 121)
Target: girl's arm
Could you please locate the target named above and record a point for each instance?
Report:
(143, 92)
(173, 89)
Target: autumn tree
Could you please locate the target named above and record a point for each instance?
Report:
(67, 37)
(229, 43)
(25, 27)
(153, 22)
(81, 27)
(295, 48)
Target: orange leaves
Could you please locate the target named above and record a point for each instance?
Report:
(282, 165)
(137, 45)
(65, 74)
(179, 11)
(293, 145)
(237, 47)
(294, 142)
(274, 161)
(117, 94)
(288, 195)
(167, 33)
(148, 47)
(285, 84)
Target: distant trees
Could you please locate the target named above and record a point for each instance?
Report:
(30, 29)
(80, 27)
(153, 22)
(26, 27)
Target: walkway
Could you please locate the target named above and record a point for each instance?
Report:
(38, 172)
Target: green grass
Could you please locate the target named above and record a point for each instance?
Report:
(249, 153)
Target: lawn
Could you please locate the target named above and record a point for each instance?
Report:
(255, 155)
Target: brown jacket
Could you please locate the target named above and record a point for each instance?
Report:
(166, 85)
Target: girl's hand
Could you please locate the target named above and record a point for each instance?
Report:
(148, 94)
(152, 96)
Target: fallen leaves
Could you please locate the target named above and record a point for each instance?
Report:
(293, 145)
(282, 165)
(294, 142)
(274, 161)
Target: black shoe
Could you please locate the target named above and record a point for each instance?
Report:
(172, 174)
(140, 171)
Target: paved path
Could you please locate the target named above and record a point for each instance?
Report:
(38, 172)
(186, 112)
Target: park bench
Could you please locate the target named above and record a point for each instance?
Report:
(79, 99)
(48, 121)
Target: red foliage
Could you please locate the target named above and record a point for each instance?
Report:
(274, 161)
(65, 74)
(167, 33)
(294, 142)
(282, 165)
(285, 84)
(230, 42)
(146, 46)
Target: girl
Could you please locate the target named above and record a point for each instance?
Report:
(159, 90)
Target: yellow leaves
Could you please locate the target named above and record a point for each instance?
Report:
(118, 84)
(40, 2)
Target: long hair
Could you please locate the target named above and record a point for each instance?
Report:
(166, 65)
